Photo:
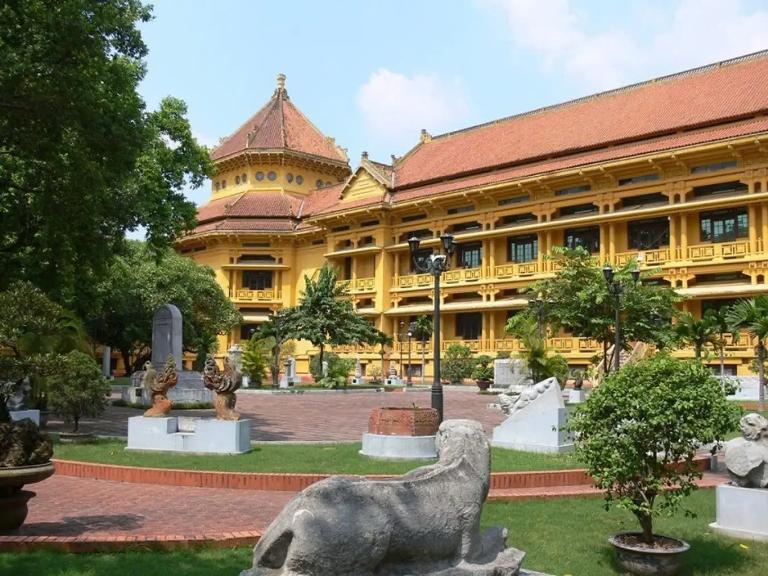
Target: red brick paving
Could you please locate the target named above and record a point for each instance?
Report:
(334, 416)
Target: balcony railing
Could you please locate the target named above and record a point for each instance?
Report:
(458, 276)
(461, 275)
(248, 295)
(359, 285)
(652, 257)
(719, 250)
(513, 270)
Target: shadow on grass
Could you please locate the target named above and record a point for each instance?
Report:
(707, 557)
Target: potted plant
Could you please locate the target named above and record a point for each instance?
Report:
(638, 434)
(483, 372)
(457, 364)
(77, 389)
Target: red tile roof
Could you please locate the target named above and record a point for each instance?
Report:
(709, 95)
(280, 126)
(264, 204)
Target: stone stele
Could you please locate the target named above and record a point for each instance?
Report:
(425, 523)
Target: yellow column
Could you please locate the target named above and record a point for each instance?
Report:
(612, 242)
(549, 245)
(684, 235)
(492, 330)
(397, 264)
(491, 257)
(764, 224)
(542, 250)
(354, 268)
(383, 281)
(673, 239)
(484, 335)
(752, 228)
(603, 242)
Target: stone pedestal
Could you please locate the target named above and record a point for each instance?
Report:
(358, 381)
(398, 447)
(33, 415)
(195, 435)
(576, 396)
(742, 512)
(536, 421)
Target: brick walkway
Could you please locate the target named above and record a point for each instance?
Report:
(315, 416)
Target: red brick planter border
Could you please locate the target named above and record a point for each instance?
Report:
(287, 482)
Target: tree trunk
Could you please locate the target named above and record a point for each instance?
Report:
(722, 363)
(423, 361)
(697, 351)
(606, 363)
(646, 524)
(322, 349)
(275, 369)
(126, 354)
(77, 423)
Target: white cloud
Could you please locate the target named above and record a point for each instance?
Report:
(688, 34)
(396, 107)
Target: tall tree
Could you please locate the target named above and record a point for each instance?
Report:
(752, 316)
(81, 159)
(383, 341)
(119, 309)
(579, 301)
(274, 336)
(325, 316)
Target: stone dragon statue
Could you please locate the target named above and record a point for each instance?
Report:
(426, 522)
(159, 385)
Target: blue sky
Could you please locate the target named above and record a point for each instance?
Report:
(372, 73)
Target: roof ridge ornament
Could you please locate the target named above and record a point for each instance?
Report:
(280, 90)
(425, 136)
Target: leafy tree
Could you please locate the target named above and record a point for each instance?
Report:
(338, 370)
(255, 360)
(81, 159)
(326, 317)
(276, 338)
(752, 316)
(121, 306)
(34, 332)
(696, 332)
(524, 325)
(76, 388)
(458, 363)
(383, 341)
(422, 330)
(579, 302)
(641, 453)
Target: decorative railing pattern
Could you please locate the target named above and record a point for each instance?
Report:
(269, 295)
(359, 285)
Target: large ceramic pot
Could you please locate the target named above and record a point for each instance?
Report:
(403, 421)
(13, 500)
(483, 384)
(635, 558)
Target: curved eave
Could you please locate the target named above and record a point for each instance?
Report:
(280, 156)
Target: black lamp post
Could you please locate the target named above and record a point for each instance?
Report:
(537, 305)
(436, 264)
(400, 340)
(616, 288)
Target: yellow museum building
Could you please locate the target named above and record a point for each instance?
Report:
(672, 172)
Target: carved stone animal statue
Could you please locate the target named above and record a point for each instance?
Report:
(159, 385)
(225, 384)
(426, 522)
(747, 457)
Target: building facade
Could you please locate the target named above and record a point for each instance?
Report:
(672, 172)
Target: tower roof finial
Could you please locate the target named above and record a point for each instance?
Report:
(281, 81)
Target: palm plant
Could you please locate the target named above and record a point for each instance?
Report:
(384, 341)
(720, 322)
(525, 327)
(422, 331)
(696, 332)
(752, 316)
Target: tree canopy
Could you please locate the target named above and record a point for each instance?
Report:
(120, 308)
(81, 159)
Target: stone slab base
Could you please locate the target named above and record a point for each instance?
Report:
(399, 447)
(541, 448)
(209, 436)
(742, 513)
(576, 396)
(33, 415)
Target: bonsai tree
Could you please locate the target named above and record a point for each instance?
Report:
(77, 388)
(639, 431)
(483, 369)
(458, 363)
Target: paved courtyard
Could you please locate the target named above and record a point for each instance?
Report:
(309, 417)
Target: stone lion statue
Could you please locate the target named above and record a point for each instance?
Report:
(426, 522)
(746, 457)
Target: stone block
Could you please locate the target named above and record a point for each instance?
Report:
(401, 421)
(398, 447)
(576, 396)
(742, 512)
(33, 415)
(203, 436)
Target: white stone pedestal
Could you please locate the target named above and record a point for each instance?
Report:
(536, 421)
(33, 415)
(742, 512)
(200, 435)
(576, 396)
(358, 381)
(398, 447)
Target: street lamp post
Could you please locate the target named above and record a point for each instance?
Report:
(537, 304)
(616, 288)
(400, 341)
(435, 265)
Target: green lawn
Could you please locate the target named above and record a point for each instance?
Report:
(560, 536)
(306, 458)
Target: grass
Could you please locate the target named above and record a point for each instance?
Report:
(561, 537)
(301, 458)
